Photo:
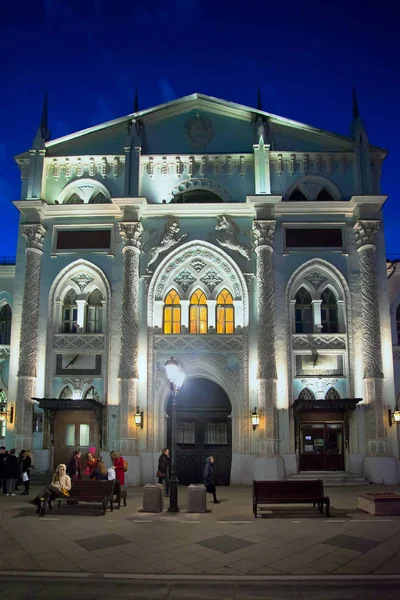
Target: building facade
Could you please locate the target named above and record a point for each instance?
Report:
(248, 246)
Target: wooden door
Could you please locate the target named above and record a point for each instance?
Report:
(74, 430)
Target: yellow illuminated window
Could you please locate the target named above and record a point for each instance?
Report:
(198, 312)
(225, 313)
(172, 313)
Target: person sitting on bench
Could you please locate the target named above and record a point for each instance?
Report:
(60, 486)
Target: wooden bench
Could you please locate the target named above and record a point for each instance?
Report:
(89, 491)
(290, 492)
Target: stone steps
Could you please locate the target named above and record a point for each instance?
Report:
(332, 478)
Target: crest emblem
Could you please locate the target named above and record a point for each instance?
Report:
(199, 131)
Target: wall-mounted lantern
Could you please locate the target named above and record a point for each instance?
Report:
(394, 416)
(139, 418)
(255, 419)
(6, 415)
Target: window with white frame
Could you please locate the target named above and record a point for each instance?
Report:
(94, 315)
(70, 313)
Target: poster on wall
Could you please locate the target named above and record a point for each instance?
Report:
(320, 365)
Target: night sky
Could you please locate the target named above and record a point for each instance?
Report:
(91, 55)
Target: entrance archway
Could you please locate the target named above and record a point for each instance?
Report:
(204, 428)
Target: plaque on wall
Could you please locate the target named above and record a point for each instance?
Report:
(324, 364)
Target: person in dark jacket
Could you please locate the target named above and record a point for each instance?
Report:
(11, 472)
(74, 466)
(100, 473)
(2, 467)
(25, 473)
(209, 478)
(163, 470)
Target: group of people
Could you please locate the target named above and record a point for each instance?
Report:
(14, 471)
(64, 476)
(163, 474)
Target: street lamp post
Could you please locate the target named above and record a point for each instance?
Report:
(176, 378)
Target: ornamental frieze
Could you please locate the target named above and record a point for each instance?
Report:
(78, 342)
(326, 342)
(203, 342)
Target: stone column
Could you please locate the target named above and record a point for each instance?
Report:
(269, 465)
(131, 233)
(28, 346)
(377, 470)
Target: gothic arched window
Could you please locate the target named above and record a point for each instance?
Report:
(92, 394)
(74, 199)
(306, 394)
(303, 312)
(332, 394)
(5, 324)
(297, 196)
(329, 312)
(324, 196)
(398, 324)
(100, 198)
(66, 393)
(198, 316)
(172, 313)
(94, 322)
(70, 313)
(225, 313)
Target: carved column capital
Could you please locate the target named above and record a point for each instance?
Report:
(131, 234)
(34, 235)
(365, 231)
(263, 233)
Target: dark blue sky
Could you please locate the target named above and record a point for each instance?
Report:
(90, 55)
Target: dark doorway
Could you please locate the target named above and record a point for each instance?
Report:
(204, 428)
(321, 447)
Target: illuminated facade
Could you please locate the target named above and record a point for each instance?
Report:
(248, 246)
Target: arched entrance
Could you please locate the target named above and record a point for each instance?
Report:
(204, 428)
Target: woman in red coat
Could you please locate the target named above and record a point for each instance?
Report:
(118, 463)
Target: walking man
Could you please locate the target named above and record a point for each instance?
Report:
(209, 478)
(163, 470)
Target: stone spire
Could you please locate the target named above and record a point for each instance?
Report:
(362, 165)
(261, 124)
(43, 132)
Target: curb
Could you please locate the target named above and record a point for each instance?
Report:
(281, 579)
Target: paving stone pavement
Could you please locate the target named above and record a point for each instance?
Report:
(226, 541)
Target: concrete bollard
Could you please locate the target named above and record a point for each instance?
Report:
(197, 498)
(153, 499)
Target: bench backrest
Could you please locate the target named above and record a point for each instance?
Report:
(91, 489)
(310, 488)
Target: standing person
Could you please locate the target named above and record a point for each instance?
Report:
(119, 466)
(74, 466)
(2, 468)
(11, 472)
(25, 474)
(209, 478)
(163, 470)
(20, 460)
(61, 481)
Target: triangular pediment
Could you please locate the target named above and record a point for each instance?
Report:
(198, 124)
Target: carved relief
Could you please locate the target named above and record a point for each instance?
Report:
(365, 232)
(82, 280)
(316, 279)
(191, 342)
(263, 233)
(319, 386)
(198, 265)
(211, 279)
(33, 233)
(169, 239)
(199, 131)
(185, 279)
(131, 234)
(228, 236)
(327, 342)
(79, 342)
